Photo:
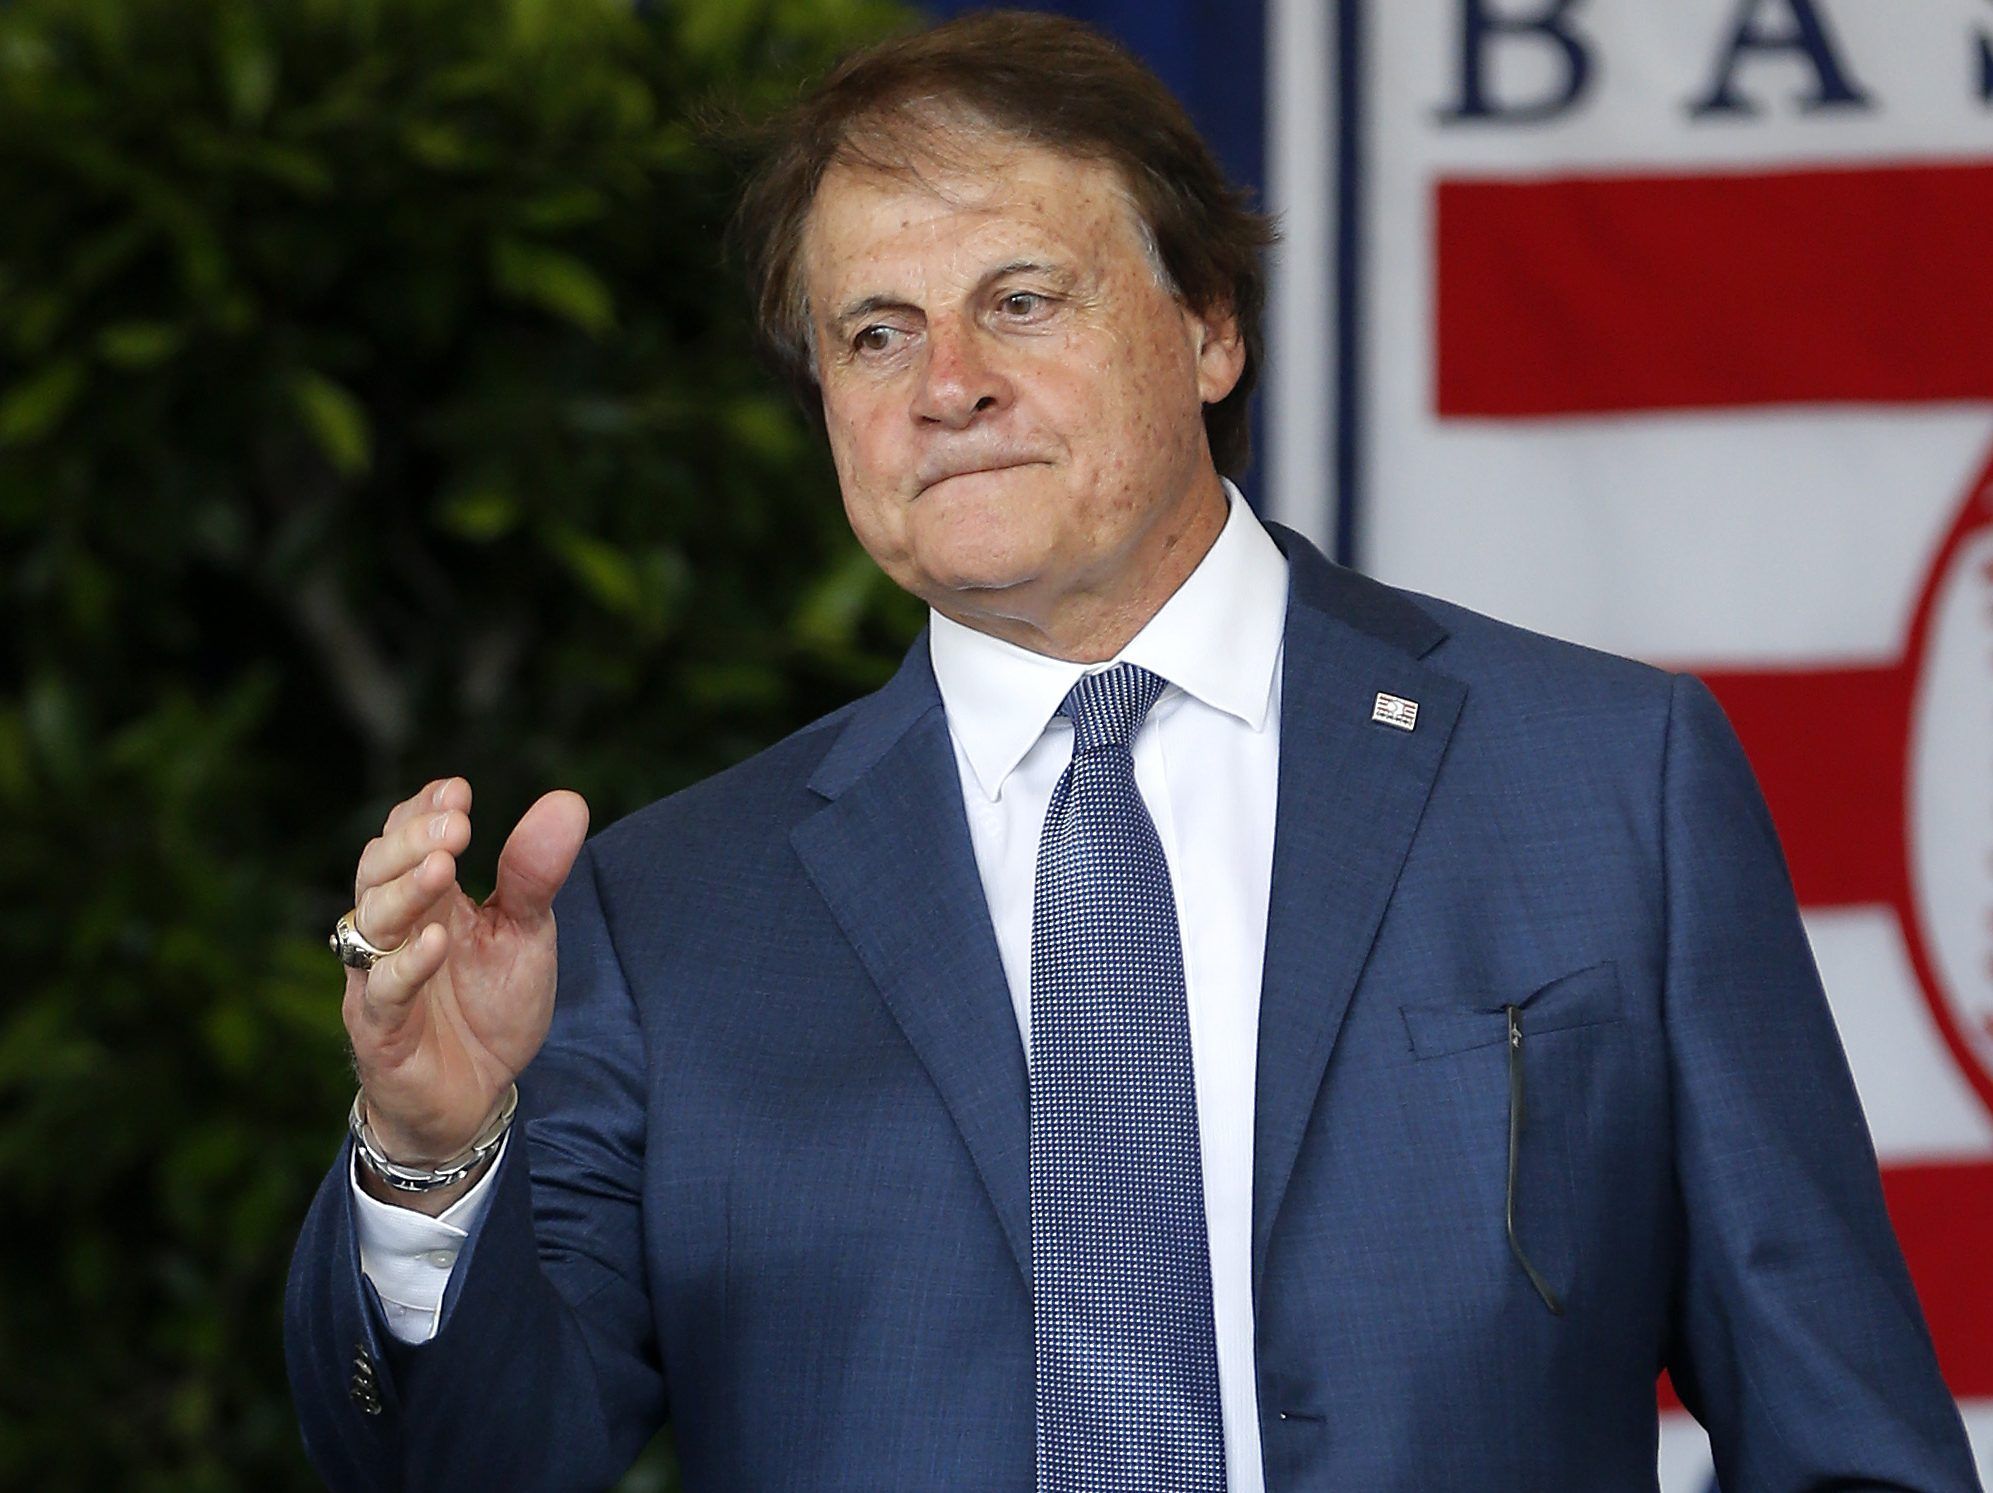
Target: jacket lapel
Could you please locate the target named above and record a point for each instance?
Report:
(1352, 791)
(890, 854)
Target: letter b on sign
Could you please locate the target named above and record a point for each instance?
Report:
(1521, 61)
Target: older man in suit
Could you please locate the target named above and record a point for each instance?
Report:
(1211, 1021)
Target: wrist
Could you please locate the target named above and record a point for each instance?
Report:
(433, 1203)
(384, 1174)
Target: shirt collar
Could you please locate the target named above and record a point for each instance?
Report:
(1216, 639)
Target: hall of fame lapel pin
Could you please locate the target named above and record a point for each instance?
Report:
(1395, 710)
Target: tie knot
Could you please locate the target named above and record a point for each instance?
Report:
(1108, 708)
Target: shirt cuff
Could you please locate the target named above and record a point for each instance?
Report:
(409, 1255)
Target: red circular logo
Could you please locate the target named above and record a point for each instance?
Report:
(1948, 789)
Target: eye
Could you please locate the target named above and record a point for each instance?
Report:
(875, 339)
(1021, 303)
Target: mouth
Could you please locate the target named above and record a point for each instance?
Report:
(933, 478)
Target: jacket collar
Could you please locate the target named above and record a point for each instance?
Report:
(891, 855)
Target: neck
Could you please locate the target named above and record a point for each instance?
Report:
(1089, 627)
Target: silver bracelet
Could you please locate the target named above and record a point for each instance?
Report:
(416, 1179)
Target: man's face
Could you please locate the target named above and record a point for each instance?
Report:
(1014, 400)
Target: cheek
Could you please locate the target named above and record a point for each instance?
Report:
(866, 464)
(1167, 368)
(1152, 366)
(844, 457)
(1147, 413)
(855, 445)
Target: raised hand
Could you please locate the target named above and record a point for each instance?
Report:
(442, 1026)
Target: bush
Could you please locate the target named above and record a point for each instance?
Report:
(373, 406)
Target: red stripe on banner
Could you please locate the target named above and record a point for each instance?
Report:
(1596, 294)
(1829, 747)
(1943, 1214)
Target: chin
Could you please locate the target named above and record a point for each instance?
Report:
(979, 548)
(948, 570)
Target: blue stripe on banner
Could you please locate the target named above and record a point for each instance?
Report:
(1211, 53)
(1350, 158)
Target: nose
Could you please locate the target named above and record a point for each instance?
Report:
(959, 380)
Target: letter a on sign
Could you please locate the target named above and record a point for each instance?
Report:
(1835, 87)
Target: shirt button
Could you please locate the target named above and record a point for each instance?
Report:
(442, 1259)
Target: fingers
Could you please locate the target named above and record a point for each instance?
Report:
(389, 911)
(406, 867)
(407, 880)
(400, 873)
(539, 853)
(438, 793)
(403, 874)
(384, 991)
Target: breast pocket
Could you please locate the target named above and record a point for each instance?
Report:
(1585, 997)
(1528, 1079)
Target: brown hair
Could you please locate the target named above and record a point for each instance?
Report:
(1045, 81)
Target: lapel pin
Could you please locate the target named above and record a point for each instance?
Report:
(1394, 710)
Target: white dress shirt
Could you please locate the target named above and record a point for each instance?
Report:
(409, 1255)
(1207, 764)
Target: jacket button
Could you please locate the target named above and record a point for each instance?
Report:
(364, 1386)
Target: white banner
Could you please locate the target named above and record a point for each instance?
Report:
(1668, 328)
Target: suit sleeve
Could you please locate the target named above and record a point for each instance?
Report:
(544, 1373)
(1797, 1339)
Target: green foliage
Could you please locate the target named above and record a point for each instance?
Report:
(373, 406)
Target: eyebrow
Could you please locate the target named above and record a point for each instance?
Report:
(1024, 267)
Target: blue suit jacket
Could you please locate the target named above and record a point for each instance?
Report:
(773, 1177)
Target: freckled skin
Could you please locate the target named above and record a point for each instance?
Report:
(1014, 400)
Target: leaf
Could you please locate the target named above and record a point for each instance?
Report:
(99, 258)
(480, 514)
(836, 603)
(554, 281)
(335, 419)
(440, 146)
(34, 323)
(717, 28)
(531, 21)
(233, 1035)
(604, 571)
(139, 344)
(235, 234)
(15, 776)
(32, 409)
(565, 207)
(732, 685)
(765, 424)
(247, 63)
(300, 170)
(55, 730)
(39, 1042)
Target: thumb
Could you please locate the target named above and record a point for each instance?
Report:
(539, 853)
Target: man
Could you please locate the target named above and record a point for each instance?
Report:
(1423, 1046)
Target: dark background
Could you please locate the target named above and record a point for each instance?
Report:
(374, 405)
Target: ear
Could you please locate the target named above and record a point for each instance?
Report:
(1219, 349)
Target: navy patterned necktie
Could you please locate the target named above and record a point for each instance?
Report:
(1127, 1361)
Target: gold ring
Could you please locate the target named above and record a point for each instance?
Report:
(354, 949)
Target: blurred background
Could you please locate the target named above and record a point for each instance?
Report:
(375, 404)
